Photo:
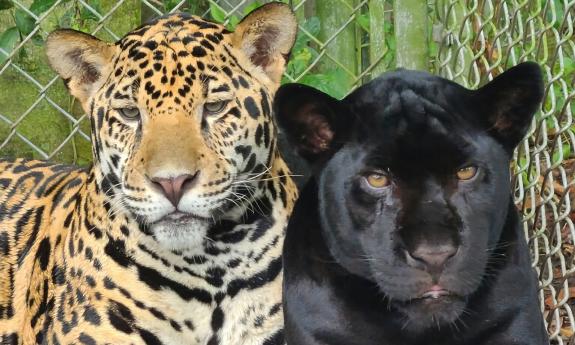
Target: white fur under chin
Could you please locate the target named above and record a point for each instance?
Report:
(180, 236)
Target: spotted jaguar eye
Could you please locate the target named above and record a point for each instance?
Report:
(215, 107)
(129, 113)
(467, 173)
(378, 180)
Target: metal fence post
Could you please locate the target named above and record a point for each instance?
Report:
(339, 38)
(410, 19)
(377, 34)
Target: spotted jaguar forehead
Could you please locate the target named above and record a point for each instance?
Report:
(180, 60)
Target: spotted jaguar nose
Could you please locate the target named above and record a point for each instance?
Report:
(174, 188)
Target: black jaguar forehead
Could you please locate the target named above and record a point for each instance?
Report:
(413, 121)
(410, 89)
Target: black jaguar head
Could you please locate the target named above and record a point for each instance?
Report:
(413, 179)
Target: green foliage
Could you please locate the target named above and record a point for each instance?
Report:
(5, 4)
(8, 40)
(333, 81)
(24, 22)
(218, 15)
(363, 21)
(41, 6)
(303, 54)
(87, 14)
(24, 25)
(170, 4)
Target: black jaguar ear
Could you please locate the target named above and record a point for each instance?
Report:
(313, 121)
(510, 101)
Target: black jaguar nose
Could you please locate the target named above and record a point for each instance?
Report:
(433, 257)
(174, 188)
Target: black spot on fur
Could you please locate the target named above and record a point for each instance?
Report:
(261, 278)
(116, 249)
(148, 337)
(91, 315)
(43, 253)
(120, 317)
(86, 339)
(217, 319)
(251, 107)
(58, 275)
(198, 52)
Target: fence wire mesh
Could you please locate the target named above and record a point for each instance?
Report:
(478, 40)
(341, 44)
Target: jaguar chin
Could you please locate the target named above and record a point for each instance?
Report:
(181, 231)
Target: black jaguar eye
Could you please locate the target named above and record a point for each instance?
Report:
(215, 107)
(129, 113)
(377, 180)
(467, 173)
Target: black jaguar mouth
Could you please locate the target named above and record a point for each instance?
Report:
(435, 292)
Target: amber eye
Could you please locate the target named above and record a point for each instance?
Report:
(377, 180)
(467, 173)
(215, 107)
(129, 113)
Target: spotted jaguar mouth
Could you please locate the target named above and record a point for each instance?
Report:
(178, 217)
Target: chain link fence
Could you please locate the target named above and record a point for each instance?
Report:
(342, 44)
(478, 40)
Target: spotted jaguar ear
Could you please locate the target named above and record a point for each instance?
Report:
(80, 59)
(267, 36)
(314, 122)
(509, 102)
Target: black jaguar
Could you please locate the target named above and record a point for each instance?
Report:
(407, 234)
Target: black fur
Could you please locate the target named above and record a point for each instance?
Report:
(430, 258)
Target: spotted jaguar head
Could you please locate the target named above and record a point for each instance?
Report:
(180, 114)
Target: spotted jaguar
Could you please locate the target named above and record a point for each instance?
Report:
(173, 235)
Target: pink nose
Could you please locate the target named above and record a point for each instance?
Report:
(434, 257)
(175, 187)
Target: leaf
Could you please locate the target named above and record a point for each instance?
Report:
(217, 13)
(88, 14)
(24, 22)
(569, 66)
(299, 61)
(387, 28)
(38, 40)
(333, 82)
(363, 21)
(41, 6)
(170, 4)
(234, 21)
(5, 4)
(8, 41)
(311, 25)
(249, 8)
